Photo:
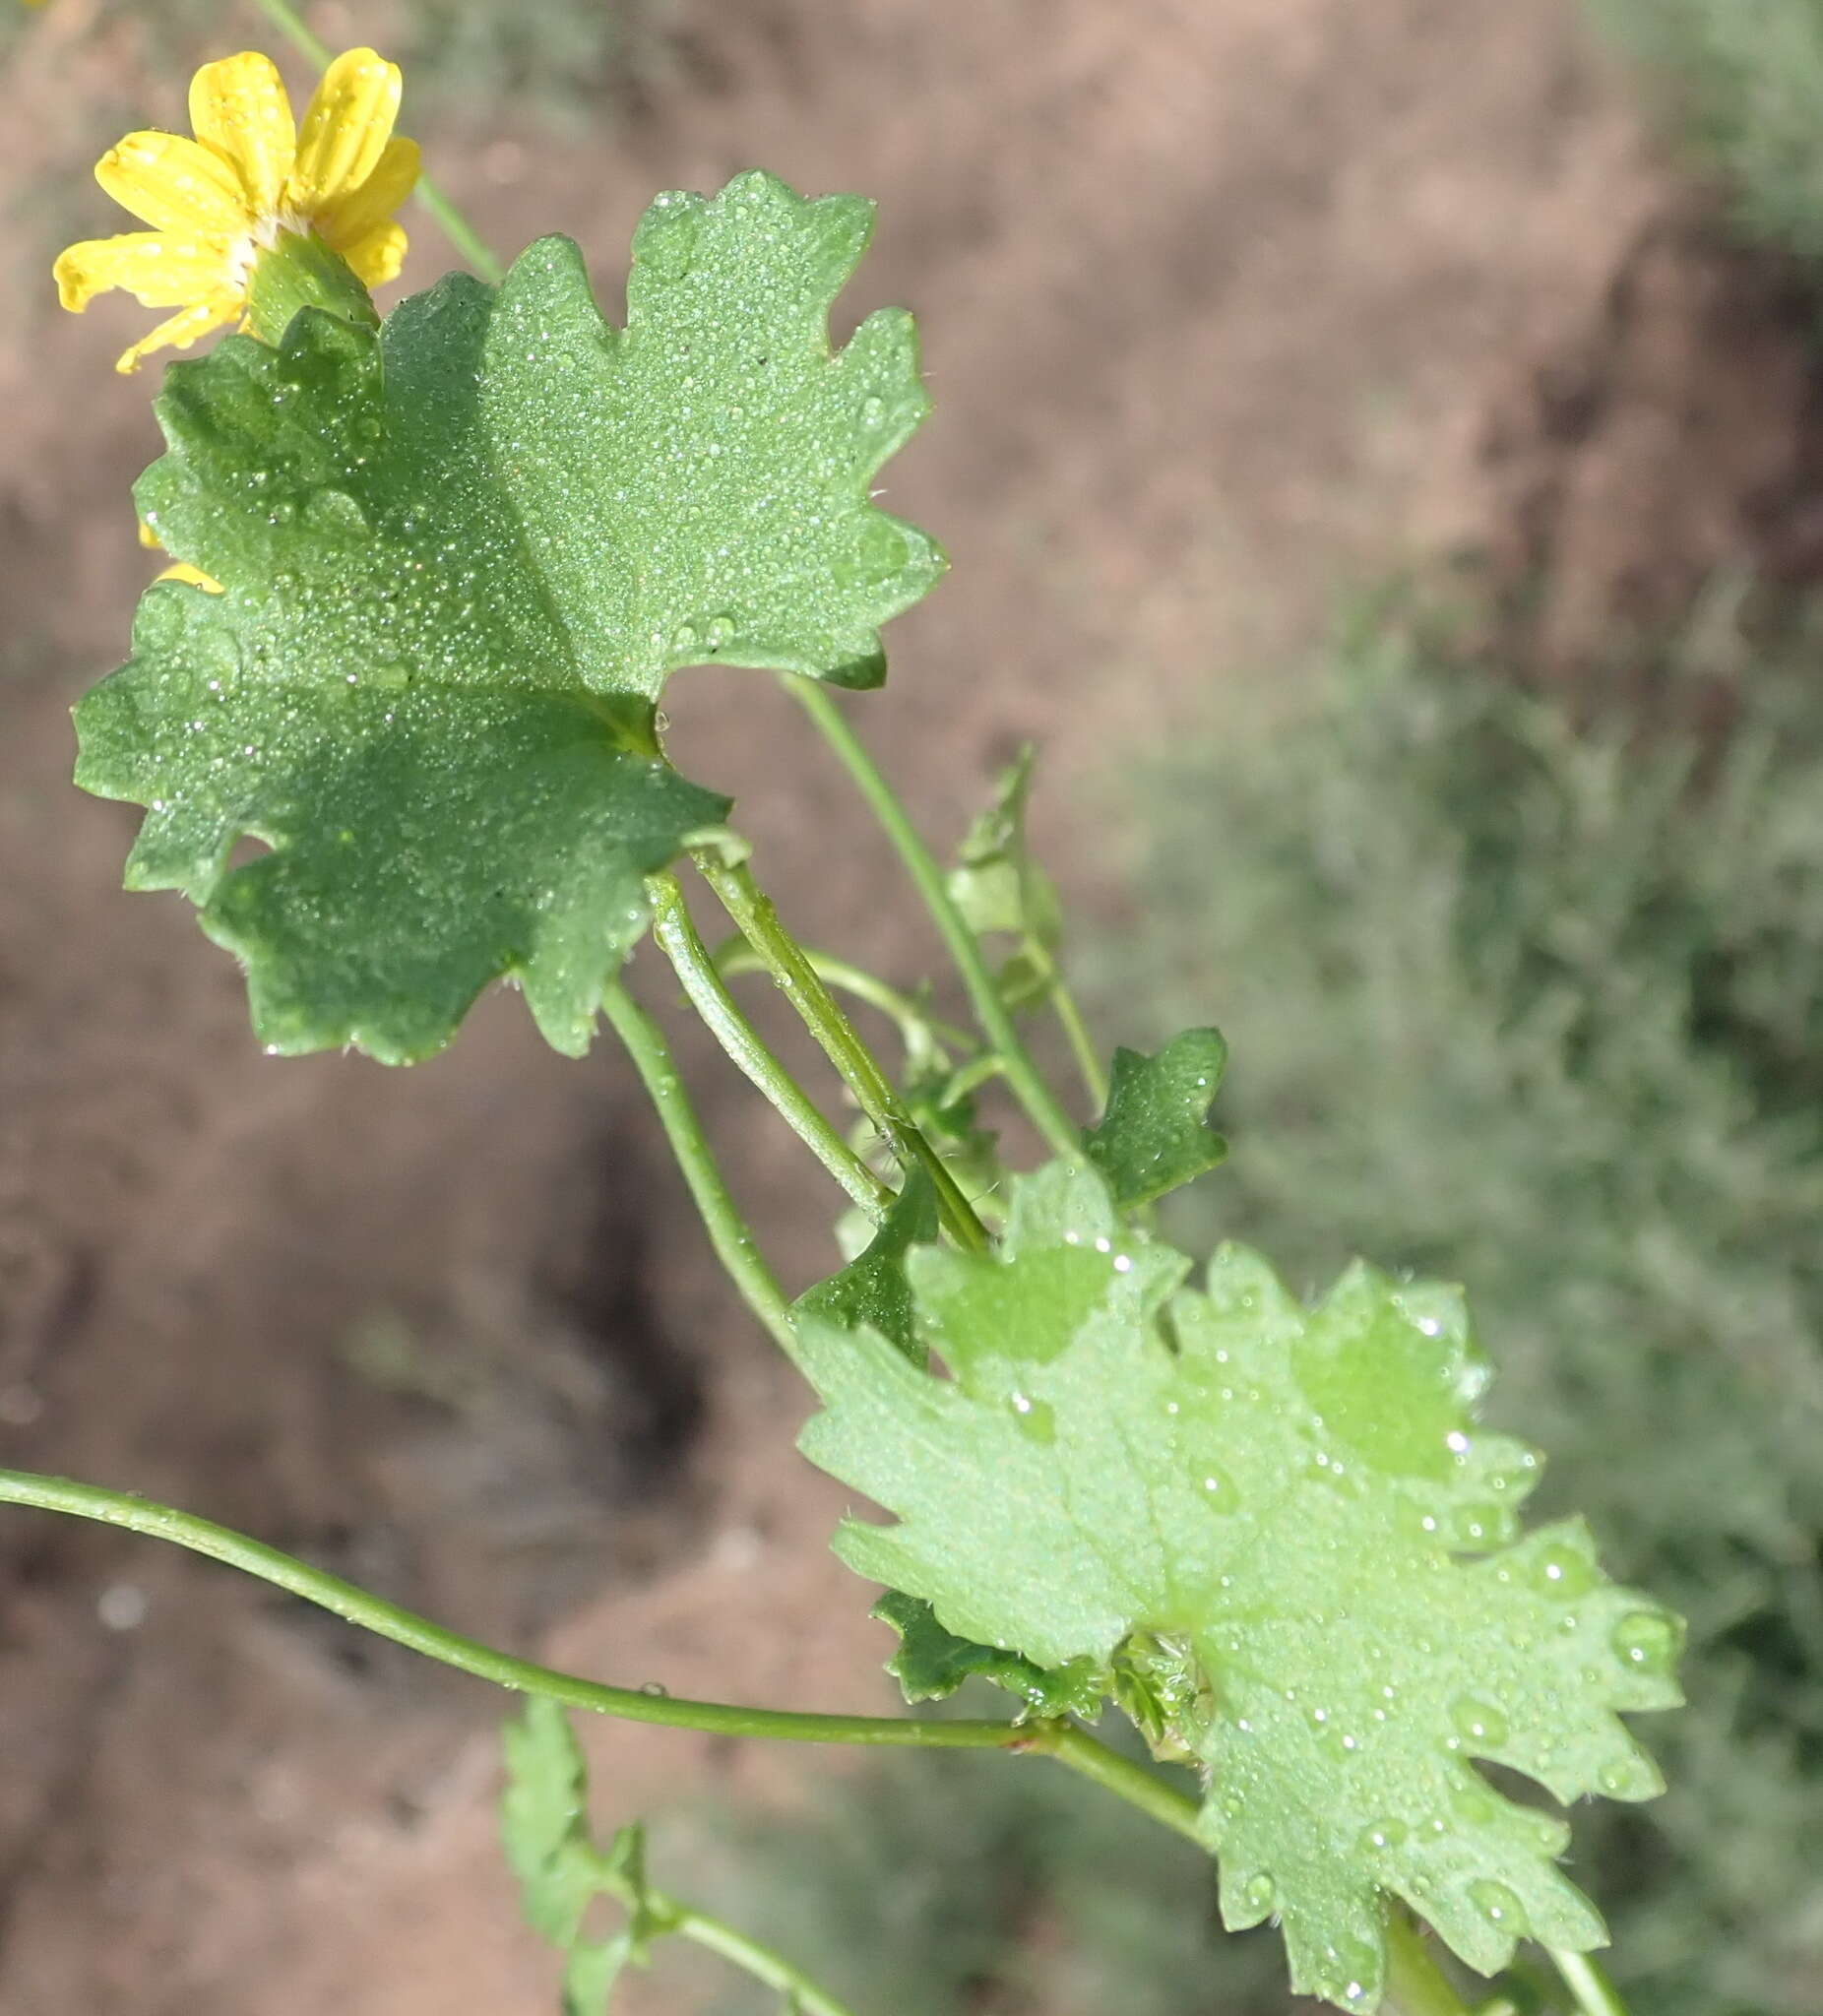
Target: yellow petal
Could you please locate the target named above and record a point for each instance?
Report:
(182, 329)
(356, 214)
(176, 185)
(181, 570)
(378, 256)
(158, 268)
(346, 128)
(239, 110)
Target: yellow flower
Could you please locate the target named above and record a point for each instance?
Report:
(216, 201)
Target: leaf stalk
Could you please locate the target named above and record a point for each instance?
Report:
(964, 948)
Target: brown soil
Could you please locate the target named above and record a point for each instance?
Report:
(1227, 303)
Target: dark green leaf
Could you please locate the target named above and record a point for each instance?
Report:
(872, 1290)
(1153, 1136)
(932, 1662)
(458, 563)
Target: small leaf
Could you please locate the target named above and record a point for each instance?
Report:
(872, 1289)
(458, 561)
(1283, 1529)
(594, 1972)
(544, 1822)
(1153, 1138)
(932, 1662)
(997, 885)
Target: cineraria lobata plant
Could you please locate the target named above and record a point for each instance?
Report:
(430, 576)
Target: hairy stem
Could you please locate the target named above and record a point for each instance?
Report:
(729, 1232)
(1023, 1075)
(455, 226)
(786, 960)
(675, 930)
(1588, 1981)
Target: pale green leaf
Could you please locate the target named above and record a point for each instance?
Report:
(1291, 1507)
(997, 884)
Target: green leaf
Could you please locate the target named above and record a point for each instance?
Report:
(932, 1662)
(594, 1972)
(458, 561)
(872, 1289)
(1294, 1505)
(1153, 1136)
(997, 885)
(544, 1822)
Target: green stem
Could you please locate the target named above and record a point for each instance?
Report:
(1082, 1044)
(737, 956)
(786, 960)
(468, 1654)
(1588, 1981)
(728, 1229)
(1073, 1747)
(676, 933)
(1023, 1075)
(771, 1969)
(1416, 1986)
(455, 227)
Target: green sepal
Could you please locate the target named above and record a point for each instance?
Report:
(1153, 1136)
(872, 1290)
(932, 1662)
(298, 271)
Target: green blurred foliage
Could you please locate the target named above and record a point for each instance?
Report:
(1745, 83)
(931, 1883)
(1536, 1004)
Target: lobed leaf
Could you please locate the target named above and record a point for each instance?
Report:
(1290, 1511)
(458, 562)
(1155, 1136)
(932, 1662)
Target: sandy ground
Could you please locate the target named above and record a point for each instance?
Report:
(1227, 305)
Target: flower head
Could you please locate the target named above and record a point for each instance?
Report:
(217, 202)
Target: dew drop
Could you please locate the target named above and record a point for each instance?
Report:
(1477, 1721)
(873, 411)
(1036, 1420)
(1632, 1777)
(1382, 1837)
(1646, 1640)
(1218, 1492)
(1499, 1905)
(655, 1688)
(1562, 1571)
(1259, 1893)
